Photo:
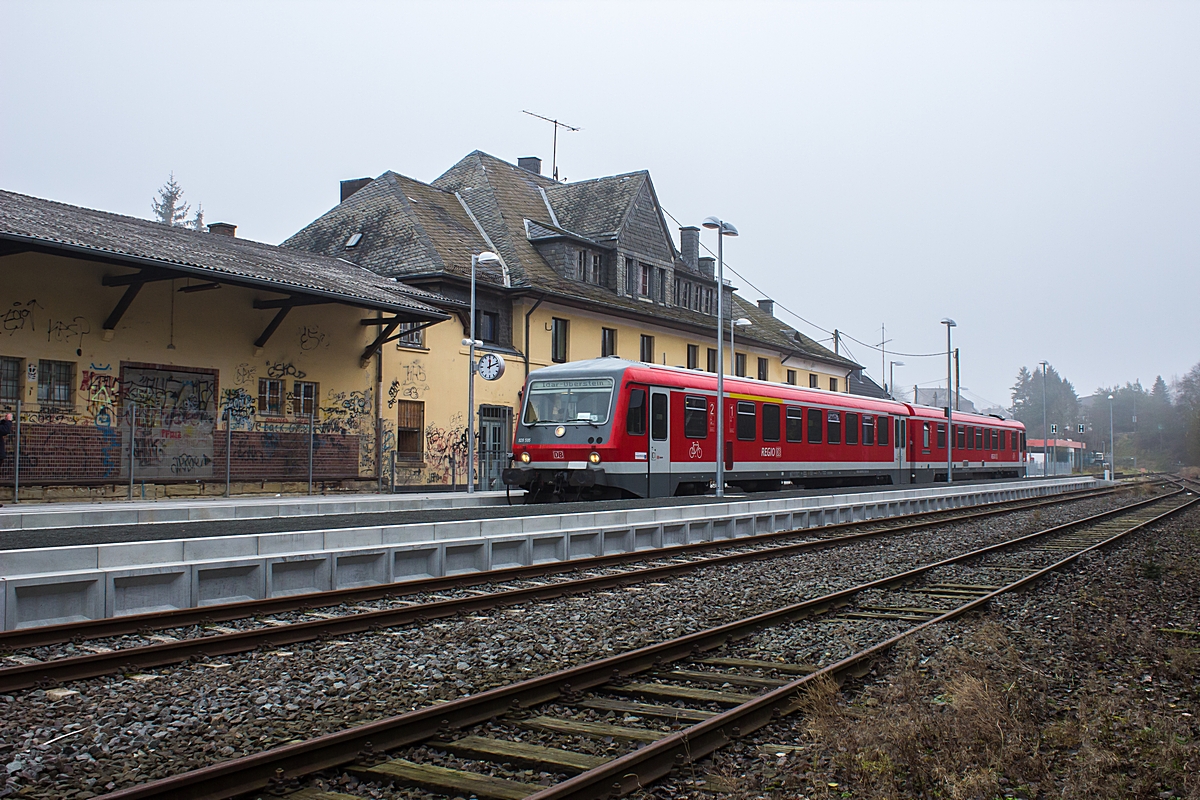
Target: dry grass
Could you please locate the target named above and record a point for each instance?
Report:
(1072, 693)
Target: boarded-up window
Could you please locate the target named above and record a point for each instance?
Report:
(410, 430)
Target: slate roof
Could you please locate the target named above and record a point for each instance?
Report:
(412, 228)
(860, 384)
(134, 242)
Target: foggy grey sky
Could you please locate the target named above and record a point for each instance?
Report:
(1030, 169)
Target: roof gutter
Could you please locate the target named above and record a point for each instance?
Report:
(526, 343)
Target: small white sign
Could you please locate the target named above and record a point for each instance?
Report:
(31, 372)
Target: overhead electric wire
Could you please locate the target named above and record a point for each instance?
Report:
(810, 323)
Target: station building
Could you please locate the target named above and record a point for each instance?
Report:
(172, 359)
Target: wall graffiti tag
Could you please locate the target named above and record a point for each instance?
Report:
(245, 373)
(20, 316)
(311, 337)
(239, 407)
(282, 369)
(100, 393)
(68, 331)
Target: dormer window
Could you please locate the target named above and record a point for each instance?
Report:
(587, 266)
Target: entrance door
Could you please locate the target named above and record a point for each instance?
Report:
(495, 422)
(901, 437)
(660, 443)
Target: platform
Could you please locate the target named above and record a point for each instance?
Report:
(40, 586)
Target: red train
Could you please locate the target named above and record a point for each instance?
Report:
(609, 428)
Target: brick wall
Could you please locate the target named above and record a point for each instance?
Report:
(86, 454)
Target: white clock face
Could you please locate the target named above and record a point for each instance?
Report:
(490, 367)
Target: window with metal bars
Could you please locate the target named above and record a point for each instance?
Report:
(56, 383)
(304, 395)
(270, 396)
(10, 380)
(410, 430)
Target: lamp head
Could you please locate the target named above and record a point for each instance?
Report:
(726, 228)
(948, 321)
(743, 322)
(1110, 397)
(897, 363)
(488, 257)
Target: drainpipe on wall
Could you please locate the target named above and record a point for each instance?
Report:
(527, 315)
(379, 410)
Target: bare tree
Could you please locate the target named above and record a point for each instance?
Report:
(169, 208)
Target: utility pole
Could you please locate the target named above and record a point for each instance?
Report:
(835, 341)
(957, 383)
(1045, 427)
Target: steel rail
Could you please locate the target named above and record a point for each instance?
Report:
(129, 624)
(640, 767)
(253, 772)
(205, 648)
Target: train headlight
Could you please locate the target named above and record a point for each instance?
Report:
(594, 457)
(525, 459)
(560, 430)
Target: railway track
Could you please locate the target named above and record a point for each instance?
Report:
(664, 706)
(582, 575)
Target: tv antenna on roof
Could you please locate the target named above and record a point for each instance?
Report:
(557, 125)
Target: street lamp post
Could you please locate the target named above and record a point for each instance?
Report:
(486, 257)
(723, 229)
(740, 322)
(892, 377)
(1045, 427)
(949, 323)
(1112, 443)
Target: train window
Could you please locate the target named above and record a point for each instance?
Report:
(795, 424)
(815, 426)
(960, 434)
(658, 417)
(1003, 440)
(868, 429)
(635, 417)
(979, 438)
(746, 424)
(851, 428)
(1023, 443)
(883, 431)
(924, 435)
(941, 436)
(833, 421)
(770, 425)
(695, 417)
(995, 439)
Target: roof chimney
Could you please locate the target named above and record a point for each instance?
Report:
(689, 246)
(707, 266)
(353, 185)
(530, 164)
(223, 229)
(767, 306)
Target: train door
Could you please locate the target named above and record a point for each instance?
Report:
(636, 433)
(901, 438)
(660, 442)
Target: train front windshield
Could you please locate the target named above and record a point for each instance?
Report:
(558, 402)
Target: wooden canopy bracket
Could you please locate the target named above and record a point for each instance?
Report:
(410, 331)
(272, 326)
(122, 306)
(373, 348)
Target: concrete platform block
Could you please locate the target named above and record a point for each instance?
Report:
(464, 558)
(301, 542)
(743, 526)
(700, 530)
(501, 527)
(219, 547)
(144, 591)
(617, 541)
(674, 534)
(722, 529)
(764, 523)
(647, 538)
(467, 529)
(346, 538)
(406, 534)
(299, 574)
(548, 548)
(118, 555)
(510, 553)
(584, 545)
(417, 562)
(229, 582)
(47, 560)
(52, 600)
(362, 568)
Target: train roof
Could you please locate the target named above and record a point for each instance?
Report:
(615, 367)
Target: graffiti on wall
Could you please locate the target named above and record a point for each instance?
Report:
(245, 373)
(312, 337)
(413, 383)
(445, 449)
(68, 331)
(284, 369)
(239, 407)
(175, 416)
(20, 316)
(100, 392)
